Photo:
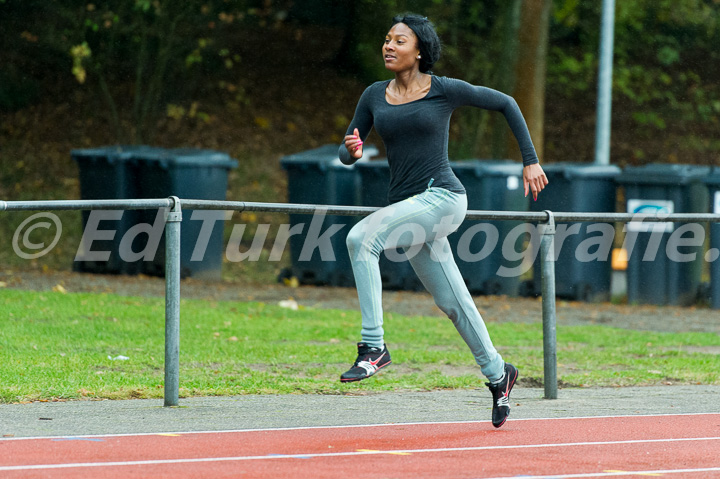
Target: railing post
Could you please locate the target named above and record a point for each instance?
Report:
(172, 302)
(547, 267)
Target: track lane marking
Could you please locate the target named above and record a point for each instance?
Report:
(353, 453)
(635, 473)
(658, 472)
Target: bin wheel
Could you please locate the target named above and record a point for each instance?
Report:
(285, 274)
(185, 273)
(492, 288)
(527, 289)
(584, 292)
(704, 292)
(412, 283)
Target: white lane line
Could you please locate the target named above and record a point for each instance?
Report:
(348, 426)
(30, 467)
(658, 472)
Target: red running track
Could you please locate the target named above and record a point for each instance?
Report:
(631, 446)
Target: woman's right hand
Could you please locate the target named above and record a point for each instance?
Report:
(353, 143)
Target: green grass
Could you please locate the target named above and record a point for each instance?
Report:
(60, 346)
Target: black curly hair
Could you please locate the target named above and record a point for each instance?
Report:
(428, 40)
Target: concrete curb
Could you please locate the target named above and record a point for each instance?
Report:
(147, 416)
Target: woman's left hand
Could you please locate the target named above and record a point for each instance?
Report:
(534, 179)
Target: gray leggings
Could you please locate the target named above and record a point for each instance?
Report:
(420, 226)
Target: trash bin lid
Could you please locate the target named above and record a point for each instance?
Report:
(374, 164)
(339, 165)
(323, 153)
(581, 170)
(482, 168)
(111, 154)
(320, 157)
(187, 157)
(713, 177)
(377, 167)
(663, 174)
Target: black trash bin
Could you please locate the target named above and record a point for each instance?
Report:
(187, 173)
(653, 275)
(583, 250)
(318, 177)
(109, 173)
(492, 185)
(713, 184)
(396, 271)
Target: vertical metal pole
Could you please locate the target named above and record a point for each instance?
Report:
(605, 71)
(172, 303)
(547, 267)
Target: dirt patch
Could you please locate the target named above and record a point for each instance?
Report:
(699, 349)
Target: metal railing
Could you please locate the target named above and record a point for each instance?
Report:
(546, 220)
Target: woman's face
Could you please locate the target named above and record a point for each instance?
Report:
(400, 50)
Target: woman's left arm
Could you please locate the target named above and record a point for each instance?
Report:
(461, 93)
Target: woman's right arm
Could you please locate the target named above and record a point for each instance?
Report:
(351, 148)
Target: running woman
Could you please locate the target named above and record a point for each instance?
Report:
(411, 113)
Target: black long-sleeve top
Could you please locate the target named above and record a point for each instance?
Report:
(416, 134)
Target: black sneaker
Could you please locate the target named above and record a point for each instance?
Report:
(369, 361)
(501, 395)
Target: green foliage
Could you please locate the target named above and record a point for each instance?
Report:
(17, 90)
(665, 58)
(146, 42)
(150, 60)
(143, 54)
(479, 46)
(571, 73)
(79, 53)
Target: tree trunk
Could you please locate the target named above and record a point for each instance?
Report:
(508, 28)
(530, 70)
